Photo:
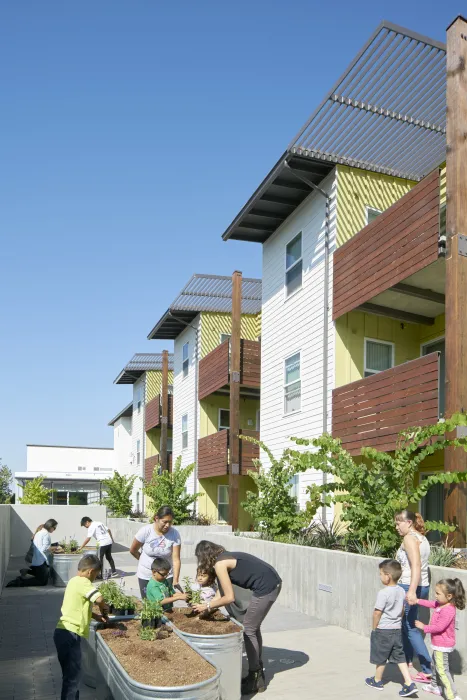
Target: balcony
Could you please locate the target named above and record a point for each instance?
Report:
(371, 412)
(152, 417)
(152, 463)
(392, 267)
(214, 454)
(214, 370)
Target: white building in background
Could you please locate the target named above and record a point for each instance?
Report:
(121, 425)
(75, 473)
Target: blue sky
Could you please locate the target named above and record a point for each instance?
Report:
(132, 133)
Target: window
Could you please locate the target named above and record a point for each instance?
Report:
(295, 487)
(185, 359)
(372, 214)
(432, 507)
(81, 469)
(292, 384)
(223, 504)
(225, 336)
(77, 498)
(258, 419)
(293, 265)
(378, 356)
(224, 419)
(60, 498)
(169, 444)
(138, 398)
(170, 389)
(185, 431)
(137, 501)
(138, 451)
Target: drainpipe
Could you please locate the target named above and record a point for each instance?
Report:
(196, 330)
(327, 217)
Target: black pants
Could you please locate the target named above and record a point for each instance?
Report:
(106, 551)
(69, 655)
(40, 576)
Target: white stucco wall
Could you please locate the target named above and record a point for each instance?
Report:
(42, 459)
(122, 445)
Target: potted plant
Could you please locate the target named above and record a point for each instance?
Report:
(151, 613)
(65, 559)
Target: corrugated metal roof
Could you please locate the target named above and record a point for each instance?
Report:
(387, 114)
(205, 293)
(142, 362)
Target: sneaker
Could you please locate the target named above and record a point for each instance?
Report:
(253, 683)
(408, 690)
(373, 683)
(421, 678)
(114, 574)
(432, 689)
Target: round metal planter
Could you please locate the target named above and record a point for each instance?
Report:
(88, 651)
(65, 566)
(225, 651)
(121, 686)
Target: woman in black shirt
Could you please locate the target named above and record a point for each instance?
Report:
(250, 573)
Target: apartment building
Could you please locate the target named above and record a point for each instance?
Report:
(144, 373)
(199, 321)
(353, 257)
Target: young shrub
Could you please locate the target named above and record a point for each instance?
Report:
(147, 634)
(440, 555)
(169, 489)
(34, 493)
(118, 491)
(194, 597)
(150, 613)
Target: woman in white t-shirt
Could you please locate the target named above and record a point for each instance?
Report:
(39, 568)
(157, 540)
(413, 555)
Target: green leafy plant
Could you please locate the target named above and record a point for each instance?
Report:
(376, 485)
(440, 555)
(169, 489)
(147, 634)
(273, 509)
(150, 610)
(6, 477)
(193, 596)
(119, 489)
(326, 535)
(69, 546)
(34, 493)
(369, 548)
(109, 591)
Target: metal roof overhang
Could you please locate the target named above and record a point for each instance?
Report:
(126, 377)
(386, 114)
(126, 412)
(172, 324)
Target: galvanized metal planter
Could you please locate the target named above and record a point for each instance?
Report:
(225, 651)
(65, 566)
(123, 687)
(88, 651)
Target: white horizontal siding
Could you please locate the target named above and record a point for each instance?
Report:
(297, 324)
(137, 433)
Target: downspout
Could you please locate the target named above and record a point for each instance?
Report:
(327, 218)
(196, 330)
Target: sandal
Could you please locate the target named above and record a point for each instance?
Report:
(421, 678)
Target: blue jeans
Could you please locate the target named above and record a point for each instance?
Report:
(412, 637)
(69, 655)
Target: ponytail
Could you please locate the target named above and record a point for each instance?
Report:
(416, 518)
(454, 587)
(38, 529)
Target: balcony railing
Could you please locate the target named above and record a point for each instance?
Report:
(401, 241)
(371, 412)
(214, 369)
(214, 454)
(153, 412)
(153, 463)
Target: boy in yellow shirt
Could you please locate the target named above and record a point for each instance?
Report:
(80, 594)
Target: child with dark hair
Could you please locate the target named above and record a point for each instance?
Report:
(450, 595)
(386, 637)
(159, 588)
(80, 594)
(206, 583)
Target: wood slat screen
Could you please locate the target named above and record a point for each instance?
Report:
(250, 359)
(150, 463)
(248, 452)
(213, 454)
(399, 242)
(152, 416)
(371, 412)
(214, 370)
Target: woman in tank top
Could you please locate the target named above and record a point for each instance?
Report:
(244, 571)
(413, 555)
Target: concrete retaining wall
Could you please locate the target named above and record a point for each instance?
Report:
(4, 541)
(124, 531)
(337, 587)
(24, 521)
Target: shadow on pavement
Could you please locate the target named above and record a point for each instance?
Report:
(277, 660)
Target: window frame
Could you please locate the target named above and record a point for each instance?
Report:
(186, 360)
(139, 399)
(227, 336)
(290, 267)
(223, 503)
(219, 411)
(169, 450)
(285, 385)
(258, 420)
(138, 452)
(380, 342)
(373, 210)
(185, 432)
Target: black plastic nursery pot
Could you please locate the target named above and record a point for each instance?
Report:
(154, 623)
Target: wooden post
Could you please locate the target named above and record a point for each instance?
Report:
(456, 262)
(164, 409)
(234, 442)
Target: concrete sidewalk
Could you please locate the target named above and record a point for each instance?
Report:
(304, 657)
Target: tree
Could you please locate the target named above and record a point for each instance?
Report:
(118, 490)
(372, 489)
(34, 493)
(273, 509)
(6, 476)
(169, 489)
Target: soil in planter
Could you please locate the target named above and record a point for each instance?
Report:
(165, 662)
(185, 621)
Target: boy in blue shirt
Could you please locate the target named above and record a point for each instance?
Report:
(158, 589)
